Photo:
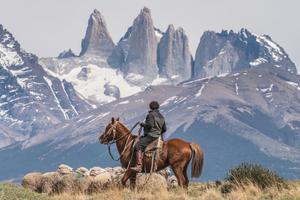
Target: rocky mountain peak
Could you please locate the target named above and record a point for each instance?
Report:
(227, 51)
(66, 54)
(170, 29)
(135, 53)
(97, 40)
(146, 11)
(245, 33)
(174, 58)
(8, 40)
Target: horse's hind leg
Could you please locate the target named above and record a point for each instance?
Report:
(186, 184)
(179, 173)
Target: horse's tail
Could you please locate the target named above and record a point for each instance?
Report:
(197, 160)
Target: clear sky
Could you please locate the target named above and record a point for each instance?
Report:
(46, 27)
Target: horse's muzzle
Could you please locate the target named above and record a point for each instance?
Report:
(102, 140)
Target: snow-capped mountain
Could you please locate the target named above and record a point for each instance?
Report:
(250, 116)
(147, 56)
(92, 77)
(30, 99)
(226, 52)
(142, 57)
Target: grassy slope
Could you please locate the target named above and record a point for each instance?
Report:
(203, 191)
(13, 192)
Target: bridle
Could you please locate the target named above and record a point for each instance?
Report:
(113, 129)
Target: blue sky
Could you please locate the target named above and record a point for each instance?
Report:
(48, 27)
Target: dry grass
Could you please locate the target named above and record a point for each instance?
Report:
(199, 191)
(206, 191)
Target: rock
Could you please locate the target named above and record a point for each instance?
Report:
(97, 40)
(154, 182)
(172, 182)
(82, 171)
(66, 54)
(174, 58)
(90, 181)
(96, 171)
(32, 181)
(99, 182)
(64, 169)
(49, 182)
(165, 172)
(73, 183)
(136, 52)
(83, 74)
(112, 90)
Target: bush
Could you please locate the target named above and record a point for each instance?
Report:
(256, 174)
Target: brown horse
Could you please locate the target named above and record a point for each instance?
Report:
(175, 153)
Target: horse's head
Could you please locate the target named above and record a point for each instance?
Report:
(110, 132)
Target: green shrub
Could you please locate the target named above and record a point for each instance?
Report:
(14, 192)
(247, 173)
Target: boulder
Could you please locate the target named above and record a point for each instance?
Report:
(32, 181)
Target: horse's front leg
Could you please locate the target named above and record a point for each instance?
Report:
(133, 181)
(125, 177)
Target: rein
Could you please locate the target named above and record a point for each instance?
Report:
(113, 128)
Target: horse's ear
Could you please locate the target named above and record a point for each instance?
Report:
(113, 120)
(118, 119)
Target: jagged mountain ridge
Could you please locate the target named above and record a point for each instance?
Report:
(97, 39)
(31, 100)
(227, 52)
(147, 56)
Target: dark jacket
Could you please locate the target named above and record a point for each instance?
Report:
(155, 124)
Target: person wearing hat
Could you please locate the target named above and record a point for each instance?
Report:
(154, 126)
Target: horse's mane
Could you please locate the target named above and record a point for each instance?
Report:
(126, 129)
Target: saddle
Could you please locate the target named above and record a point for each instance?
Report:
(155, 145)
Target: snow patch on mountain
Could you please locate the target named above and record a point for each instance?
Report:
(97, 77)
(258, 61)
(273, 48)
(198, 94)
(8, 57)
(49, 82)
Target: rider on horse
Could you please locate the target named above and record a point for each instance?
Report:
(154, 127)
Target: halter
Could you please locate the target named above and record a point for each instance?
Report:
(113, 129)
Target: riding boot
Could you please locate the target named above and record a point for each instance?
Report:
(139, 162)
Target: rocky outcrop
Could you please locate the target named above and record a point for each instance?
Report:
(66, 54)
(135, 53)
(173, 55)
(97, 40)
(112, 90)
(226, 52)
(82, 180)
